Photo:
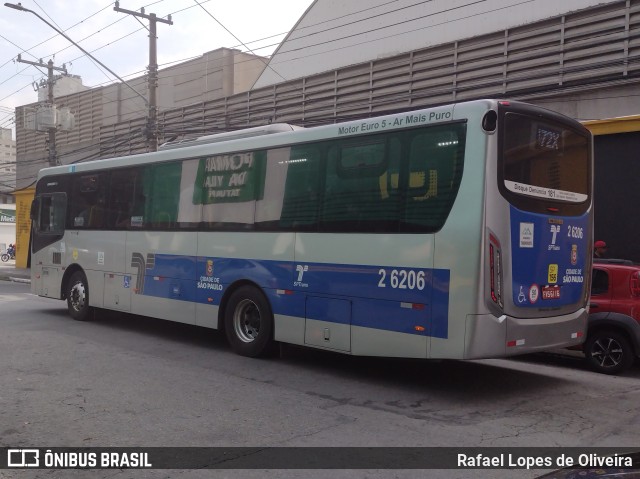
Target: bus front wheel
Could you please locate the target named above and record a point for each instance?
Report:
(78, 297)
(248, 322)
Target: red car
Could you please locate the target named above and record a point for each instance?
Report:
(613, 337)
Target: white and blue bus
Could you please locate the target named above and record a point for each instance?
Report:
(462, 231)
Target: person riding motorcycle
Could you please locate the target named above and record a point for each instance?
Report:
(9, 254)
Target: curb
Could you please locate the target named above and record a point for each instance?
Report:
(20, 280)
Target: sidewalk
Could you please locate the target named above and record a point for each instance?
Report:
(9, 272)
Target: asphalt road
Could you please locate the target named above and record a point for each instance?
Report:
(124, 380)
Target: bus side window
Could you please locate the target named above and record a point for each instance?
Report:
(299, 170)
(88, 203)
(139, 200)
(124, 184)
(360, 192)
(161, 186)
(435, 172)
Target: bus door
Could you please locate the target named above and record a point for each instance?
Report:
(48, 214)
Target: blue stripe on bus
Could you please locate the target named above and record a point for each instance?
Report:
(408, 300)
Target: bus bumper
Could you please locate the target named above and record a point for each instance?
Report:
(488, 336)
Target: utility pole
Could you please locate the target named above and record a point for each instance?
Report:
(152, 120)
(50, 83)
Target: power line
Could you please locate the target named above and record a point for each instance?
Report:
(54, 36)
(101, 29)
(21, 8)
(152, 122)
(237, 39)
(414, 4)
(76, 24)
(111, 42)
(341, 38)
(381, 15)
(394, 25)
(103, 46)
(467, 17)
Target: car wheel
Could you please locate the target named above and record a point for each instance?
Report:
(248, 322)
(608, 352)
(78, 297)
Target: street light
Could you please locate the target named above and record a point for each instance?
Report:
(22, 9)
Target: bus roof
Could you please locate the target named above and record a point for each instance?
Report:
(282, 135)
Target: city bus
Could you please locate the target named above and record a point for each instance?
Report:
(461, 231)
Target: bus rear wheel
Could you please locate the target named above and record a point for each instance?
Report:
(78, 296)
(248, 322)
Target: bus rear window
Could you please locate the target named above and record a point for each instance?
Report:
(543, 159)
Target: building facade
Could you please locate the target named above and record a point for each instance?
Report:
(111, 120)
(7, 166)
(584, 63)
(577, 57)
(334, 34)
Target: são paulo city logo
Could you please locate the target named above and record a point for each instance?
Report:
(208, 280)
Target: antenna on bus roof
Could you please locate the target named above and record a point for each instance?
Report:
(230, 135)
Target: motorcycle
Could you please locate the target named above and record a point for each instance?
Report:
(9, 254)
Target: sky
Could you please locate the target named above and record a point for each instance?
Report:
(120, 41)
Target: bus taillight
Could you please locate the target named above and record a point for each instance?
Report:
(495, 270)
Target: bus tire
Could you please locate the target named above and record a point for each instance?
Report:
(248, 322)
(608, 352)
(78, 296)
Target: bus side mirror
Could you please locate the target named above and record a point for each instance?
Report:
(35, 208)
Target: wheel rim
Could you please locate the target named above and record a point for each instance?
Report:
(607, 352)
(78, 297)
(246, 321)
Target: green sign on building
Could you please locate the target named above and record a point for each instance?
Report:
(7, 216)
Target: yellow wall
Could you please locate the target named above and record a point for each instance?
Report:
(611, 126)
(23, 225)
